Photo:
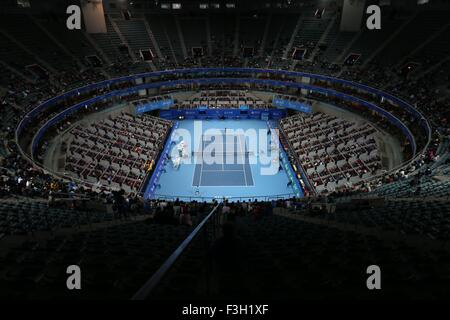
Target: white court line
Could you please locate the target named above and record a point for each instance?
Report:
(201, 173)
(201, 165)
(219, 143)
(224, 153)
(222, 170)
(233, 186)
(243, 165)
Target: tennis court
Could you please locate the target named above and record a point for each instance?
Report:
(227, 168)
(226, 165)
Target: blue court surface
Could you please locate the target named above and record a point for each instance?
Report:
(232, 171)
(217, 168)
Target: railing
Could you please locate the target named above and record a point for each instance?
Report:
(220, 198)
(308, 182)
(149, 185)
(145, 291)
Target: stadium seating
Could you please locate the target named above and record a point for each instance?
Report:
(24, 218)
(307, 260)
(291, 248)
(221, 100)
(334, 152)
(117, 151)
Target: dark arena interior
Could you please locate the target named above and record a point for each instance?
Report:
(208, 151)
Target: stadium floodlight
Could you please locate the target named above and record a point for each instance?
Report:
(176, 6)
(165, 5)
(203, 6)
(230, 5)
(215, 5)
